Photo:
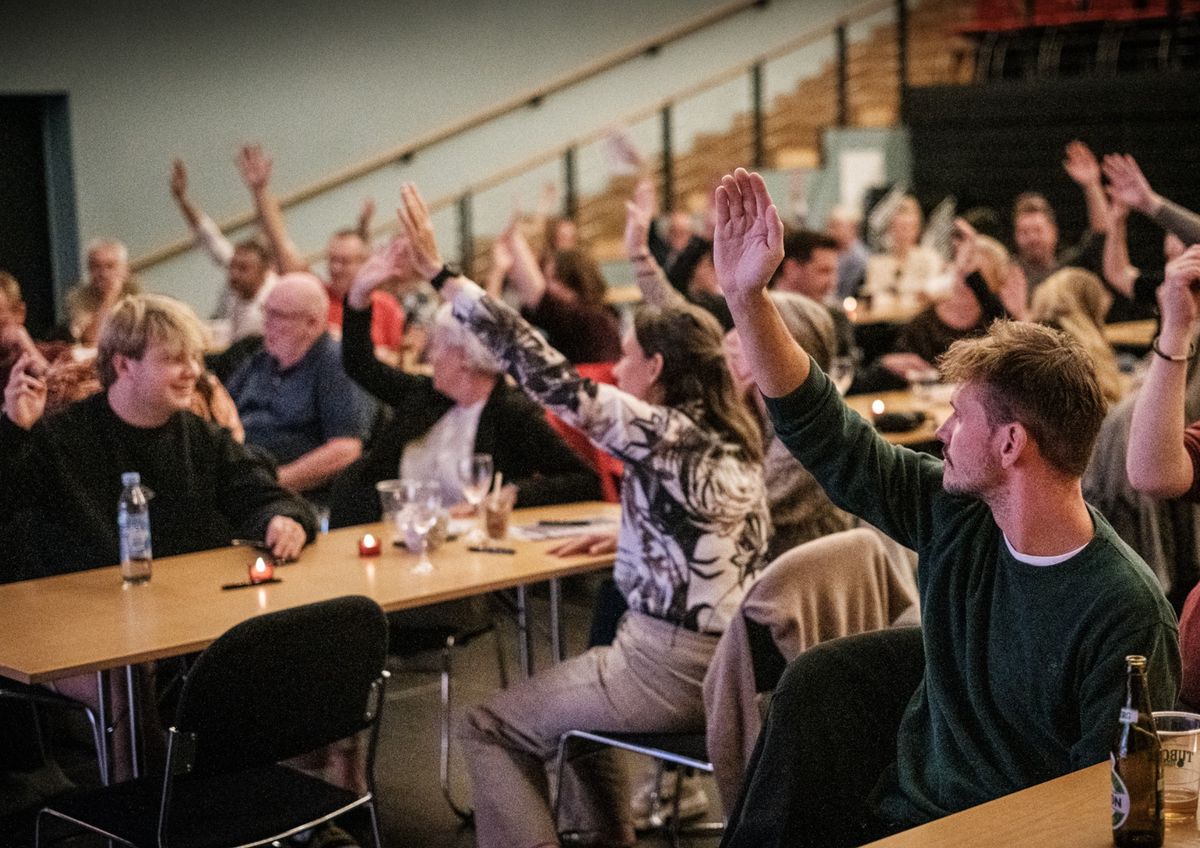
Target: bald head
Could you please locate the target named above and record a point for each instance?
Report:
(296, 313)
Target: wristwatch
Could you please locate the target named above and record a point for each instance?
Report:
(448, 271)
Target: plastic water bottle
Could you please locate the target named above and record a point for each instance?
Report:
(133, 527)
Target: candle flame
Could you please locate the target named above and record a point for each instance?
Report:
(368, 540)
(877, 406)
(260, 566)
(850, 304)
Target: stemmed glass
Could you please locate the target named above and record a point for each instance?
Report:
(422, 504)
(475, 475)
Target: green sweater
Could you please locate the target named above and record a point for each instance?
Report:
(1024, 665)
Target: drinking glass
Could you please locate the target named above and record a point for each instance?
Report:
(841, 372)
(423, 503)
(475, 475)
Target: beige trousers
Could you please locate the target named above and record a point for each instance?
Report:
(649, 680)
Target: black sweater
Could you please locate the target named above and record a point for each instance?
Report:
(512, 428)
(61, 480)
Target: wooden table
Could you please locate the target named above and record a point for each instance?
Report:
(885, 311)
(1131, 334)
(904, 400)
(90, 622)
(1069, 812)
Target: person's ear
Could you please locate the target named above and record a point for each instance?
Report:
(656, 365)
(1014, 440)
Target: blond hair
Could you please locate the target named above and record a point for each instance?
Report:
(1040, 378)
(137, 321)
(1075, 301)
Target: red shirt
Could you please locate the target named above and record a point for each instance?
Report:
(387, 319)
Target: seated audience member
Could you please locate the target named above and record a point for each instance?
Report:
(1075, 301)
(294, 398)
(800, 510)
(345, 254)
(466, 407)
(565, 297)
(1164, 454)
(109, 279)
(692, 535)
(1035, 230)
(1133, 289)
(1015, 567)
(66, 469)
(907, 270)
(980, 293)
(842, 226)
(248, 263)
(809, 268)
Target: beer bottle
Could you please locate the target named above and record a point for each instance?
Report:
(1137, 778)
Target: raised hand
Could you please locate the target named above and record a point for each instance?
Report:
(1179, 297)
(366, 214)
(966, 241)
(25, 394)
(502, 253)
(639, 214)
(394, 259)
(414, 217)
(1128, 185)
(255, 166)
(748, 239)
(1014, 291)
(1081, 165)
(179, 179)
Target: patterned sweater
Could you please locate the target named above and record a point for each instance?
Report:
(694, 521)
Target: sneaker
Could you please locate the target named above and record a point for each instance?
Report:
(653, 804)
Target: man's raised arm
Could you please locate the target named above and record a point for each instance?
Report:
(747, 248)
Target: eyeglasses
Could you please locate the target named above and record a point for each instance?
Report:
(280, 315)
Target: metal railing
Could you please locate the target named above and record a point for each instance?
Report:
(753, 69)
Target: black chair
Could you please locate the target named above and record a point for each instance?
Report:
(272, 688)
(679, 750)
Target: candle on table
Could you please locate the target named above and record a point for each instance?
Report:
(261, 570)
(368, 546)
(877, 407)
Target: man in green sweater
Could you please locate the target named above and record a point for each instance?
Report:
(1029, 600)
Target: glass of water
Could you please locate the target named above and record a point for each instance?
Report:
(422, 504)
(475, 476)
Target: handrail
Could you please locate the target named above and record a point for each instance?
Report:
(650, 45)
(533, 97)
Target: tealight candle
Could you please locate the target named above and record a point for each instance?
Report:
(368, 546)
(877, 407)
(261, 570)
(849, 304)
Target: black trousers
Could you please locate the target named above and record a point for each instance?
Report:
(829, 737)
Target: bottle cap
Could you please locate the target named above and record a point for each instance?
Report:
(131, 478)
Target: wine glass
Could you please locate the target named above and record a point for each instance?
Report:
(422, 504)
(841, 372)
(475, 475)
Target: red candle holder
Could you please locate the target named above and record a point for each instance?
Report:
(261, 571)
(369, 546)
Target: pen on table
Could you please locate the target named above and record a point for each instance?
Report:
(565, 522)
(488, 549)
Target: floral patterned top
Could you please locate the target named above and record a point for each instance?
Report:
(694, 520)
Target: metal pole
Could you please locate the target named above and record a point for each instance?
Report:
(556, 623)
(758, 125)
(524, 633)
(668, 161)
(902, 53)
(131, 691)
(843, 76)
(102, 715)
(466, 235)
(570, 183)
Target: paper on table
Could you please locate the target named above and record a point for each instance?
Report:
(541, 532)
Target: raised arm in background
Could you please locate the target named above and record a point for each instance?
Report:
(747, 248)
(1157, 462)
(1081, 166)
(1129, 185)
(206, 232)
(255, 168)
(366, 214)
(639, 218)
(1118, 270)
(525, 274)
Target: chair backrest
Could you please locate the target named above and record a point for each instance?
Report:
(607, 467)
(284, 684)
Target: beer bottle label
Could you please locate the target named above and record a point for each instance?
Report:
(1128, 715)
(1120, 797)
